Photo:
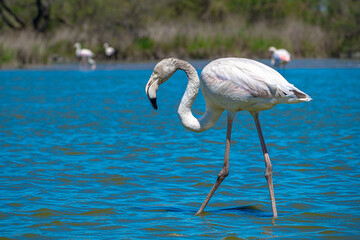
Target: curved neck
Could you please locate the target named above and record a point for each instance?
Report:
(186, 117)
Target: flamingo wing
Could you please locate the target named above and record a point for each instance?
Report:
(109, 51)
(244, 79)
(86, 53)
(283, 55)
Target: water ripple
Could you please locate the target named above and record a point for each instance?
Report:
(82, 160)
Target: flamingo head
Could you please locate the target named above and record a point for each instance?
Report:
(271, 51)
(77, 45)
(162, 72)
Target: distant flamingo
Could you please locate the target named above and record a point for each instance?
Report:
(232, 84)
(109, 51)
(279, 56)
(85, 55)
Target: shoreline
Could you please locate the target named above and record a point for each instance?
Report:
(304, 63)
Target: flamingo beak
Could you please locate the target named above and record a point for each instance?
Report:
(153, 103)
(151, 89)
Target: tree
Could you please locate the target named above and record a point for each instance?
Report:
(41, 21)
(10, 17)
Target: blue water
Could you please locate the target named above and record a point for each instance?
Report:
(84, 156)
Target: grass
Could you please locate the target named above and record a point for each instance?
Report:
(188, 39)
(6, 54)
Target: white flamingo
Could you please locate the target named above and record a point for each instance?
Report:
(109, 51)
(232, 84)
(279, 56)
(85, 55)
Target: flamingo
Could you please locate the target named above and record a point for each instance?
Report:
(85, 55)
(231, 84)
(109, 51)
(279, 56)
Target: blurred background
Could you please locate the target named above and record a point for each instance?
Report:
(44, 31)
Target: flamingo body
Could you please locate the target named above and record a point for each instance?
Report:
(84, 53)
(237, 84)
(109, 51)
(279, 56)
(232, 84)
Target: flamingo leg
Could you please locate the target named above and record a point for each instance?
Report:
(225, 169)
(268, 166)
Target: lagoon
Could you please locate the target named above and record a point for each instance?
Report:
(84, 156)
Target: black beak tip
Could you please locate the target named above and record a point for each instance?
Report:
(153, 103)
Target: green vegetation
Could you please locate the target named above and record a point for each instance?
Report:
(39, 31)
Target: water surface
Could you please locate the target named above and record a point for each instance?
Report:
(84, 156)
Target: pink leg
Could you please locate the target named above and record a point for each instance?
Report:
(268, 166)
(225, 170)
